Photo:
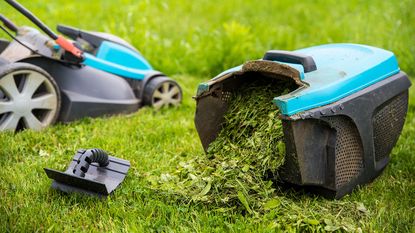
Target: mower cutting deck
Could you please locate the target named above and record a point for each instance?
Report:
(48, 78)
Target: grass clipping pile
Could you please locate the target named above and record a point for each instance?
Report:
(242, 159)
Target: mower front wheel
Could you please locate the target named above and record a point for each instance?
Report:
(29, 98)
(162, 92)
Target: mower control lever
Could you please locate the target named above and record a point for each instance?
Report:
(64, 43)
(291, 57)
(9, 24)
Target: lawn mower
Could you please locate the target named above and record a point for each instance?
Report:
(48, 78)
(339, 125)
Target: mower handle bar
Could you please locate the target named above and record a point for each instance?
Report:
(291, 57)
(61, 41)
(9, 24)
(32, 18)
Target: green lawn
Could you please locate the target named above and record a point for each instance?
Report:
(192, 41)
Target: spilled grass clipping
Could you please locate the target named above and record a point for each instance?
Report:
(237, 170)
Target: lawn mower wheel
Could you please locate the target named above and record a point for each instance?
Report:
(29, 97)
(162, 92)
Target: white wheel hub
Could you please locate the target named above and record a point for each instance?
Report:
(166, 95)
(26, 97)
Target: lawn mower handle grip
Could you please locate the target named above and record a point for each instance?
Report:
(90, 156)
(9, 24)
(291, 57)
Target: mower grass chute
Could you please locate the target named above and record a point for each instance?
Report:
(97, 74)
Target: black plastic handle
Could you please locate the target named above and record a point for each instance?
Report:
(291, 57)
(9, 24)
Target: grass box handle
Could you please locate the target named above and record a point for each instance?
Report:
(291, 57)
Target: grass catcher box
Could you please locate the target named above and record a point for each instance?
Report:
(341, 122)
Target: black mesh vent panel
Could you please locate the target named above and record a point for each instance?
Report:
(348, 150)
(387, 125)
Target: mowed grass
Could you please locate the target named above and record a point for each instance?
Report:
(193, 41)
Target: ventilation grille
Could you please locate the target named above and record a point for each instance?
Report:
(348, 150)
(387, 125)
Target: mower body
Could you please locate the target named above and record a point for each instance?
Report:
(45, 78)
(340, 124)
(88, 92)
(112, 78)
(85, 91)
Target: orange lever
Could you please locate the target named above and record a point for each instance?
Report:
(68, 46)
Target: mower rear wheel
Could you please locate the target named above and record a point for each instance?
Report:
(162, 92)
(29, 98)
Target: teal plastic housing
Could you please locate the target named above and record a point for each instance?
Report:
(342, 69)
(119, 60)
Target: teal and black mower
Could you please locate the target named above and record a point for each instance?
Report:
(45, 78)
(339, 125)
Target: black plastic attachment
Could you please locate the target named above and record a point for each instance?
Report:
(9, 24)
(291, 57)
(91, 172)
